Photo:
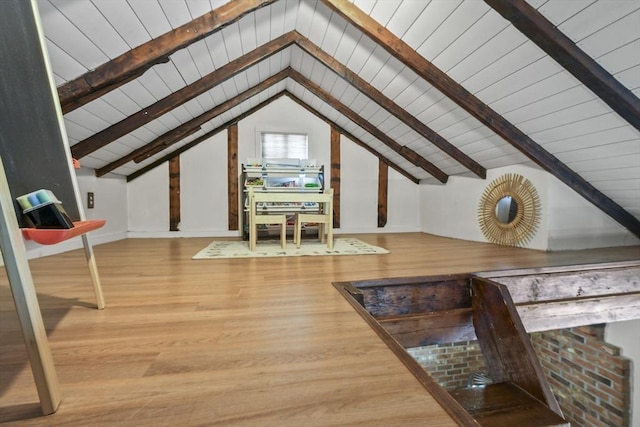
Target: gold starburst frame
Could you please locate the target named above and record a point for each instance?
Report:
(525, 223)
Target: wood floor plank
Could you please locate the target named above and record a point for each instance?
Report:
(238, 342)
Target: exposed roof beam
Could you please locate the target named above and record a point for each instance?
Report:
(126, 67)
(202, 138)
(173, 100)
(538, 29)
(425, 69)
(186, 129)
(179, 97)
(393, 108)
(165, 140)
(356, 140)
(405, 152)
(144, 153)
(177, 134)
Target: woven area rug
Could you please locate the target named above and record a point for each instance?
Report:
(271, 248)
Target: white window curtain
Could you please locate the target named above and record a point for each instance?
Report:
(284, 145)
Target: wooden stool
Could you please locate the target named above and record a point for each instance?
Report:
(267, 219)
(324, 219)
(255, 219)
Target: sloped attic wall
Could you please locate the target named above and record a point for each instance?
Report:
(451, 210)
(567, 221)
(575, 223)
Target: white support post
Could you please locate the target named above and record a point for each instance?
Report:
(26, 302)
(93, 271)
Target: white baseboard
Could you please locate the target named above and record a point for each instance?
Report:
(170, 234)
(369, 230)
(225, 233)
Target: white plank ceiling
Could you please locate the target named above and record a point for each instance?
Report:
(467, 39)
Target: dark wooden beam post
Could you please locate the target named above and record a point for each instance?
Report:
(504, 341)
(383, 189)
(174, 194)
(474, 106)
(335, 175)
(132, 64)
(232, 180)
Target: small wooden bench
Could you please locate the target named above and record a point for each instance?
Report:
(255, 219)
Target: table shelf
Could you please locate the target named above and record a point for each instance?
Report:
(51, 236)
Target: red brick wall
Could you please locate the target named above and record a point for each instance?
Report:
(450, 364)
(589, 377)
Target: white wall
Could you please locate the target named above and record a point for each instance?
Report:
(567, 221)
(203, 181)
(110, 197)
(403, 206)
(203, 189)
(284, 115)
(451, 210)
(575, 223)
(359, 195)
(148, 203)
(626, 335)
(358, 189)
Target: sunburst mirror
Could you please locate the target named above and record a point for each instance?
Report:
(509, 210)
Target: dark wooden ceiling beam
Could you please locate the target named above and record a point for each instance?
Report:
(186, 130)
(405, 152)
(208, 135)
(353, 138)
(144, 153)
(166, 140)
(408, 119)
(538, 29)
(126, 67)
(175, 99)
(425, 69)
(175, 135)
(202, 138)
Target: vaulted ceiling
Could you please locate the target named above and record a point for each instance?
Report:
(434, 88)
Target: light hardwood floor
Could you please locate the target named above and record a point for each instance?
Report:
(248, 342)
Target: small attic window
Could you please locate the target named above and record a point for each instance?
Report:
(284, 145)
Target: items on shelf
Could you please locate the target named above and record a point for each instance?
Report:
(44, 210)
(254, 182)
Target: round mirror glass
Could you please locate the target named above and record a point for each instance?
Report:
(506, 210)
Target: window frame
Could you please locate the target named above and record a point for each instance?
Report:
(288, 153)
